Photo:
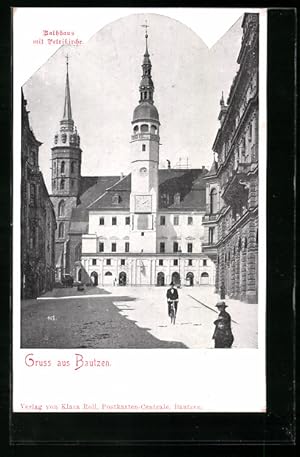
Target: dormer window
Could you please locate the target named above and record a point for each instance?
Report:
(116, 199)
(177, 199)
(164, 200)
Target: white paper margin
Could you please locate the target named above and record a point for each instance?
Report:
(139, 377)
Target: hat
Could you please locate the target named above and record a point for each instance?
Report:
(221, 304)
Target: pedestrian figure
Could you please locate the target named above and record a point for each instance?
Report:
(172, 296)
(222, 291)
(223, 335)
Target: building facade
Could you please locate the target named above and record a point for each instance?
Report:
(231, 219)
(38, 223)
(141, 229)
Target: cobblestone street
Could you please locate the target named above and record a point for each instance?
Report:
(131, 317)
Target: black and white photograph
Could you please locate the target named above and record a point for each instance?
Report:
(139, 189)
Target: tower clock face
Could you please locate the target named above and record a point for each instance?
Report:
(143, 203)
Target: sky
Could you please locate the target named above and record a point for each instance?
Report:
(105, 73)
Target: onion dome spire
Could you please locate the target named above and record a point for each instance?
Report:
(146, 86)
(146, 110)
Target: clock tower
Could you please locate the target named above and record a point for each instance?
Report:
(144, 170)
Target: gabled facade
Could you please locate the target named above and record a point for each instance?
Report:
(231, 219)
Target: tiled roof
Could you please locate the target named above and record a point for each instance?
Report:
(90, 189)
(98, 192)
(188, 183)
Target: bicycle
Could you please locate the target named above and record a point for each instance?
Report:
(172, 311)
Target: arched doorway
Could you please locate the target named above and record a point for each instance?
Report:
(176, 278)
(204, 278)
(79, 275)
(122, 278)
(160, 279)
(190, 278)
(108, 278)
(94, 278)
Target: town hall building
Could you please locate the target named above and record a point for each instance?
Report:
(141, 229)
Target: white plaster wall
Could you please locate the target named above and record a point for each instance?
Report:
(182, 233)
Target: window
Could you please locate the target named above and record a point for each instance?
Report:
(162, 220)
(190, 263)
(114, 221)
(177, 199)
(164, 200)
(101, 221)
(176, 220)
(61, 208)
(160, 262)
(162, 247)
(72, 183)
(142, 233)
(101, 247)
(205, 263)
(213, 201)
(62, 184)
(211, 234)
(190, 220)
(175, 246)
(122, 261)
(62, 167)
(175, 262)
(113, 247)
(143, 147)
(136, 129)
(61, 230)
(94, 261)
(116, 199)
(190, 247)
(72, 167)
(32, 194)
(127, 220)
(127, 247)
(144, 128)
(250, 132)
(108, 261)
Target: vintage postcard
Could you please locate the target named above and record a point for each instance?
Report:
(139, 209)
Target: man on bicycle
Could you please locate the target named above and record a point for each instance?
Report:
(172, 296)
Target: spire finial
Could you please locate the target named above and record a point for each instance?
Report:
(146, 26)
(222, 99)
(67, 104)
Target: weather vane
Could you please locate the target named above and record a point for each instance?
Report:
(146, 27)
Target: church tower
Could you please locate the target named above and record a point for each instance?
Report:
(144, 170)
(66, 174)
